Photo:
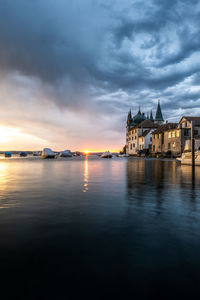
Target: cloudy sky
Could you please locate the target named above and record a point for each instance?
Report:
(70, 70)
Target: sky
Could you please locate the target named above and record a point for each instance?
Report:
(70, 70)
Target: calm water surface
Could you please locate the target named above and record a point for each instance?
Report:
(91, 226)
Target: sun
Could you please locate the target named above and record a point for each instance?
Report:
(86, 151)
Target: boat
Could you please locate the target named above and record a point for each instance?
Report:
(23, 154)
(186, 158)
(35, 153)
(47, 153)
(106, 154)
(77, 153)
(66, 153)
(8, 154)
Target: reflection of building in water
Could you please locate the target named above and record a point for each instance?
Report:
(149, 178)
(187, 176)
(85, 185)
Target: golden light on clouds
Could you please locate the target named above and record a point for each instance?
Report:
(15, 139)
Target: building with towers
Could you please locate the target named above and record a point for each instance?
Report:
(139, 129)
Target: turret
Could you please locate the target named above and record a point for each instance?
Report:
(151, 117)
(159, 117)
(129, 118)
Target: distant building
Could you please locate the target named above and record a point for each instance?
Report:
(139, 128)
(174, 138)
(148, 134)
(166, 137)
(185, 124)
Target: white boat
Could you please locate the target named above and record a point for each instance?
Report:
(186, 158)
(35, 153)
(66, 153)
(106, 154)
(47, 153)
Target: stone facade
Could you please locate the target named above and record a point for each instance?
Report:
(166, 138)
(135, 128)
(145, 140)
(144, 133)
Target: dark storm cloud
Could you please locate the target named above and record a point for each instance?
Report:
(81, 50)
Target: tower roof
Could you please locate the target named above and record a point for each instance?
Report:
(129, 117)
(139, 117)
(151, 116)
(159, 116)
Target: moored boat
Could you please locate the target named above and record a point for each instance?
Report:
(22, 154)
(47, 153)
(35, 153)
(66, 153)
(8, 154)
(186, 158)
(106, 154)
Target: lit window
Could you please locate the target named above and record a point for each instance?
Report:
(169, 135)
(173, 134)
(177, 133)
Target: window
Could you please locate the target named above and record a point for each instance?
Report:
(133, 145)
(186, 132)
(154, 148)
(169, 146)
(160, 136)
(169, 135)
(174, 134)
(177, 133)
(150, 139)
(173, 145)
(196, 132)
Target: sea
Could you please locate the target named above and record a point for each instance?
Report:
(87, 227)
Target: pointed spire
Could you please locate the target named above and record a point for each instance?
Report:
(139, 112)
(159, 116)
(151, 116)
(129, 117)
(147, 116)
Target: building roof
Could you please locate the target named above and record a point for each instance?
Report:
(159, 116)
(139, 117)
(151, 116)
(166, 127)
(146, 124)
(196, 120)
(145, 132)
